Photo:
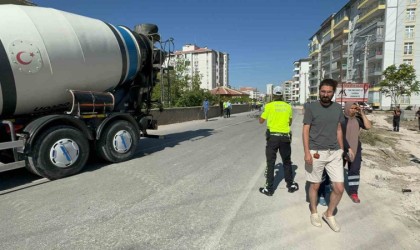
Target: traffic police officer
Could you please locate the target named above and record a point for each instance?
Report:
(278, 114)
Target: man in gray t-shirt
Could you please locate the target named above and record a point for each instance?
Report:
(323, 146)
(323, 121)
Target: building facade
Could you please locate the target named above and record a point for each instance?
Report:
(253, 93)
(288, 90)
(300, 92)
(212, 66)
(361, 40)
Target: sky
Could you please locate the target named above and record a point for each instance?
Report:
(262, 37)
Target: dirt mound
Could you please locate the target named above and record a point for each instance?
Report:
(391, 163)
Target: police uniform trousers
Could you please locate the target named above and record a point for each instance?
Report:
(282, 145)
(353, 176)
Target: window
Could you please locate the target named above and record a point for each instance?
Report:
(412, 1)
(411, 14)
(380, 32)
(408, 48)
(408, 61)
(409, 31)
(405, 99)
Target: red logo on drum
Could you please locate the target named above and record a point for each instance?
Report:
(24, 57)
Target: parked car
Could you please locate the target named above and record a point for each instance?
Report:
(365, 106)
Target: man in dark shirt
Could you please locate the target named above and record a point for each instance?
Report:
(323, 146)
(396, 119)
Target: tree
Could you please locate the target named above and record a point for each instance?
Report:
(180, 88)
(399, 82)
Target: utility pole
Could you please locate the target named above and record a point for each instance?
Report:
(348, 51)
(365, 58)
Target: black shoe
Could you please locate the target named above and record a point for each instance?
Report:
(266, 192)
(293, 187)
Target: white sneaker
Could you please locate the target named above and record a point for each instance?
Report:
(331, 222)
(315, 220)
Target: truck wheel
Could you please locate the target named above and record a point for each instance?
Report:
(118, 142)
(60, 151)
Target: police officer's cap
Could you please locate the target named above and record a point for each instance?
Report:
(277, 90)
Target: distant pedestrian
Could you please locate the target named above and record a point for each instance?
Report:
(418, 116)
(229, 109)
(355, 119)
(221, 108)
(323, 148)
(396, 119)
(225, 107)
(279, 116)
(205, 108)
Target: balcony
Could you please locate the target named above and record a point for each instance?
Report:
(338, 46)
(313, 78)
(326, 37)
(367, 27)
(341, 23)
(326, 51)
(375, 56)
(377, 10)
(314, 52)
(340, 33)
(375, 72)
(325, 62)
(363, 3)
(336, 57)
(334, 66)
(358, 61)
(378, 39)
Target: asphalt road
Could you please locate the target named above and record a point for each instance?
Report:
(195, 189)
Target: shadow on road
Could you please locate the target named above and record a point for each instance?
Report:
(279, 174)
(21, 178)
(149, 146)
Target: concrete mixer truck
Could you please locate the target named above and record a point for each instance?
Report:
(71, 86)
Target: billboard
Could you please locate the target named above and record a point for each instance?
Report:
(352, 92)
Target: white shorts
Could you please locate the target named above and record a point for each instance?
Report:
(331, 160)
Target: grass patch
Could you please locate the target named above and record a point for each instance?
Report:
(371, 137)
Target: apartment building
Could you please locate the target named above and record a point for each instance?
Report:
(269, 89)
(300, 91)
(211, 65)
(252, 92)
(288, 89)
(361, 40)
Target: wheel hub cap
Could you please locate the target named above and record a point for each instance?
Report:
(64, 153)
(122, 141)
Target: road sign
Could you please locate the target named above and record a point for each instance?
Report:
(352, 92)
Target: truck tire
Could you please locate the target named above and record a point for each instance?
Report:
(59, 152)
(118, 142)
